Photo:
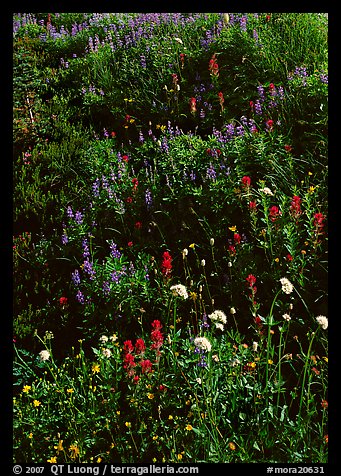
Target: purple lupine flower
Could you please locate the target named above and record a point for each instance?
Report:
(205, 324)
(65, 239)
(115, 253)
(89, 269)
(95, 187)
(240, 130)
(324, 78)
(148, 199)
(143, 61)
(80, 296)
(211, 173)
(76, 278)
(78, 218)
(261, 93)
(141, 138)
(85, 246)
(258, 108)
(106, 288)
(192, 176)
(115, 277)
(69, 212)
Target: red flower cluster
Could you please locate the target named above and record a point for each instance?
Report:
(135, 183)
(274, 213)
(246, 181)
(182, 59)
(166, 266)
(132, 352)
(193, 105)
(295, 207)
(221, 100)
(156, 336)
(63, 301)
(213, 66)
(251, 279)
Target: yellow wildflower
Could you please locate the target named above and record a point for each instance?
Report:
(36, 403)
(270, 362)
(74, 450)
(95, 369)
(30, 436)
(233, 228)
(99, 459)
(232, 446)
(189, 427)
(179, 456)
(26, 388)
(53, 459)
(70, 390)
(192, 245)
(150, 396)
(59, 447)
(128, 424)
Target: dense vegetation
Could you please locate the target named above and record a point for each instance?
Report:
(170, 237)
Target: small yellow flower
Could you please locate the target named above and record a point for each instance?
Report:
(154, 460)
(53, 459)
(36, 403)
(74, 450)
(99, 459)
(170, 417)
(189, 427)
(118, 412)
(26, 388)
(179, 456)
(311, 189)
(128, 424)
(150, 396)
(277, 260)
(270, 362)
(30, 436)
(310, 173)
(155, 437)
(303, 252)
(233, 228)
(325, 359)
(192, 245)
(70, 390)
(252, 365)
(95, 369)
(59, 447)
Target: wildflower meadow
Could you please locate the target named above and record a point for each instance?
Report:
(170, 238)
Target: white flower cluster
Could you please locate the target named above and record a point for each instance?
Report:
(287, 287)
(323, 321)
(44, 355)
(179, 290)
(202, 343)
(266, 191)
(218, 318)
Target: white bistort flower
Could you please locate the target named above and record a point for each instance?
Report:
(106, 353)
(323, 321)
(202, 343)
(179, 290)
(44, 355)
(218, 318)
(287, 287)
